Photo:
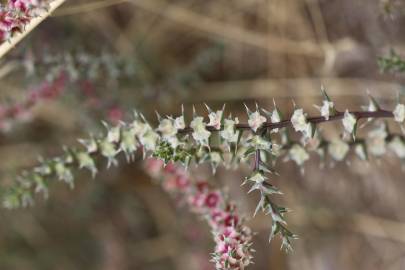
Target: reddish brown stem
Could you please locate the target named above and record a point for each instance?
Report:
(314, 120)
(257, 160)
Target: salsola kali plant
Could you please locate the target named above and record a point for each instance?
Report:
(222, 141)
(232, 237)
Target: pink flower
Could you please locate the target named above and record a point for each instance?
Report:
(154, 166)
(182, 182)
(202, 186)
(230, 232)
(115, 114)
(231, 220)
(212, 199)
(170, 168)
(256, 120)
(197, 201)
(19, 4)
(216, 216)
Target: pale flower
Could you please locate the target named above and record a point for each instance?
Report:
(139, 128)
(259, 143)
(215, 157)
(275, 116)
(200, 134)
(360, 151)
(229, 133)
(91, 145)
(215, 119)
(312, 144)
(149, 140)
(167, 128)
(349, 121)
(299, 121)
(372, 106)
(109, 151)
(179, 123)
(298, 154)
(128, 142)
(276, 149)
(113, 134)
(174, 141)
(86, 161)
(399, 113)
(256, 120)
(338, 149)
(326, 109)
(397, 146)
(257, 177)
(308, 131)
(376, 142)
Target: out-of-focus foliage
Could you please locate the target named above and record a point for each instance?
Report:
(393, 63)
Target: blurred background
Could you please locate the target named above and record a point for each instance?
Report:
(100, 59)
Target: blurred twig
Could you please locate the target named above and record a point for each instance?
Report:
(87, 7)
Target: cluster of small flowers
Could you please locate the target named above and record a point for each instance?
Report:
(16, 14)
(232, 237)
(376, 144)
(20, 111)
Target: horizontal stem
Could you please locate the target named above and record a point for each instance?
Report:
(314, 120)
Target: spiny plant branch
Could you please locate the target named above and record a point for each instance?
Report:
(314, 120)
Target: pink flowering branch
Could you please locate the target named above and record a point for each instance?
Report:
(45, 91)
(19, 17)
(51, 90)
(232, 237)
